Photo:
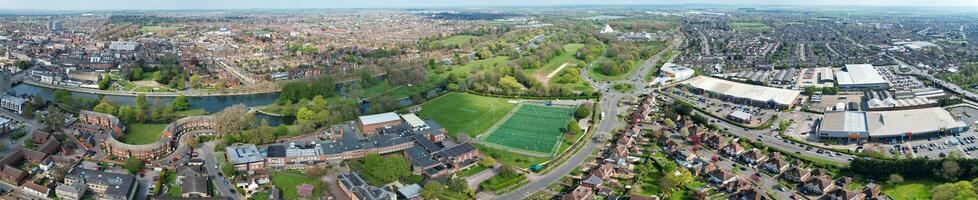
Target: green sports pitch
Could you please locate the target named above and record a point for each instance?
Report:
(532, 129)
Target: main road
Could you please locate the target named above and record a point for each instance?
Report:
(609, 105)
(210, 164)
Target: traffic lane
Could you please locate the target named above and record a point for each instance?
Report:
(220, 182)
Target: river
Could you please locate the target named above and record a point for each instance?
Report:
(209, 103)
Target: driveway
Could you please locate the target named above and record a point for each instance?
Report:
(474, 180)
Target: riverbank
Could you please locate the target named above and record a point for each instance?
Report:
(235, 92)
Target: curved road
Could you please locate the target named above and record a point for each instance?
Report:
(609, 105)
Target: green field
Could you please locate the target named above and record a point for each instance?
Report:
(556, 61)
(287, 181)
(457, 40)
(143, 133)
(465, 113)
(749, 26)
(468, 68)
(533, 128)
(910, 189)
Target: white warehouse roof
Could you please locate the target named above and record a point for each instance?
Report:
(889, 123)
(743, 90)
(379, 118)
(859, 74)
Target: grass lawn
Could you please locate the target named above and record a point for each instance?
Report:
(621, 87)
(143, 133)
(749, 26)
(465, 113)
(287, 181)
(569, 140)
(469, 67)
(514, 159)
(472, 170)
(457, 40)
(555, 62)
(910, 189)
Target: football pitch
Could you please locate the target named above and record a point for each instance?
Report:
(465, 113)
(532, 129)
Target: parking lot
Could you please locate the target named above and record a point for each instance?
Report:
(723, 108)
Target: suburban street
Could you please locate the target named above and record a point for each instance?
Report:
(223, 187)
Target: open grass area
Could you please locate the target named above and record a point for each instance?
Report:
(467, 68)
(555, 62)
(472, 170)
(749, 26)
(143, 133)
(533, 128)
(457, 40)
(287, 181)
(910, 189)
(465, 113)
(509, 158)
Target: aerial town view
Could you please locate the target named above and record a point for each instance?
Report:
(506, 99)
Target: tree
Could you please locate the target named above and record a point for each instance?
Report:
(950, 170)
(380, 170)
(582, 111)
(133, 165)
(432, 189)
(196, 81)
(958, 190)
(137, 74)
(141, 101)
(233, 119)
(672, 180)
(573, 128)
(180, 103)
(894, 179)
(105, 106)
(22, 64)
(55, 117)
(104, 82)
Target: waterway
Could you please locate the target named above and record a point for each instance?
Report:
(209, 103)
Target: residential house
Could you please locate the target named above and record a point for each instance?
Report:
(797, 174)
(580, 193)
(817, 185)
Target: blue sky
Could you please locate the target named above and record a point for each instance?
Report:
(252, 4)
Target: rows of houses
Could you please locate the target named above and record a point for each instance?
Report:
(815, 183)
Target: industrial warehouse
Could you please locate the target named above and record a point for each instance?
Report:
(744, 93)
(876, 125)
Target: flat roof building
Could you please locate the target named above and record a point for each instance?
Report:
(860, 77)
(744, 93)
(888, 124)
(245, 157)
(369, 124)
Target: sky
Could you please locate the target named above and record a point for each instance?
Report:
(285, 4)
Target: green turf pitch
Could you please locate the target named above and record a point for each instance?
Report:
(533, 128)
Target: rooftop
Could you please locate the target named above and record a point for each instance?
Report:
(379, 118)
(243, 154)
(859, 74)
(742, 90)
(889, 123)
